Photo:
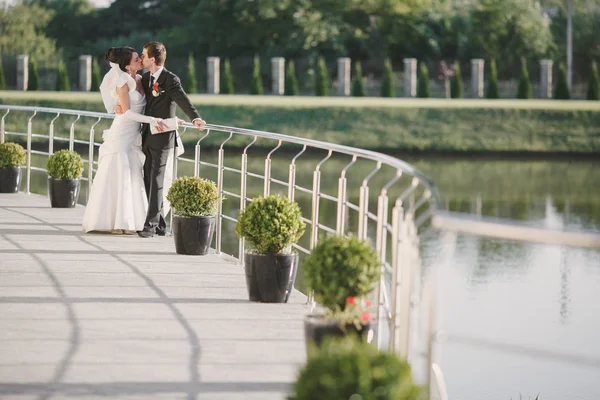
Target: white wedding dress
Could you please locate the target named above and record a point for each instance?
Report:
(118, 197)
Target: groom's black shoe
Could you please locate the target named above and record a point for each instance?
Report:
(160, 232)
(145, 234)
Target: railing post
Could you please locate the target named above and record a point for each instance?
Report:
(51, 135)
(363, 205)
(2, 130)
(407, 267)
(382, 205)
(197, 154)
(90, 157)
(29, 136)
(340, 227)
(219, 219)
(397, 219)
(174, 176)
(292, 176)
(243, 194)
(72, 134)
(267, 186)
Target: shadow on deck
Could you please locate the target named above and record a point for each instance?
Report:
(107, 316)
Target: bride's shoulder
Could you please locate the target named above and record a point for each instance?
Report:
(138, 77)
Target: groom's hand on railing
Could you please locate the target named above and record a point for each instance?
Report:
(199, 123)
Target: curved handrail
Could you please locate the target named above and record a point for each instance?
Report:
(338, 148)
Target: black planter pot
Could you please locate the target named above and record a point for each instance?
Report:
(63, 193)
(270, 277)
(10, 179)
(316, 329)
(193, 235)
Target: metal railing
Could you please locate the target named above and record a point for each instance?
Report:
(392, 211)
(395, 200)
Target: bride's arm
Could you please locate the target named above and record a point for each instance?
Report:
(123, 93)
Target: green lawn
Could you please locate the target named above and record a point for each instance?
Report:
(382, 124)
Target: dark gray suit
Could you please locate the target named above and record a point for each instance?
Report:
(157, 147)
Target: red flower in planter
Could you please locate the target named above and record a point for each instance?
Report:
(367, 302)
(350, 300)
(365, 316)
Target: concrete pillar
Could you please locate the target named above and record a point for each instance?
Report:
(213, 75)
(344, 76)
(410, 77)
(85, 73)
(22, 71)
(278, 75)
(477, 73)
(546, 79)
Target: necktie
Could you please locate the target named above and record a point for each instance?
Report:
(151, 81)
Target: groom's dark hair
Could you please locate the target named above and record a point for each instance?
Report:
(156, 50)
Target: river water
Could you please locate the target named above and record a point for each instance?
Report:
(520, 318)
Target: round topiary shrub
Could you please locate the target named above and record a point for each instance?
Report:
(193, 197)
(341, 267)
(11, 155)
(271, 224)
(352, 369)
(65, 164)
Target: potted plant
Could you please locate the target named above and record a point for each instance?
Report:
(12, 157)
(271, 225)
(194, 202)
(65, 168)
(341, 271)
(348, 368)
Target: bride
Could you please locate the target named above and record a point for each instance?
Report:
(118, 200)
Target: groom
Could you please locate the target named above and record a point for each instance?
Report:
(163, 91)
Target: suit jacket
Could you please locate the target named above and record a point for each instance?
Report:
(171, 94)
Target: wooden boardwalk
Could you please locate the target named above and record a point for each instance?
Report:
(106, 316)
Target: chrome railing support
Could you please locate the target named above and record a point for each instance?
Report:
(90, 156)
(397, 220)
(243, 194)
(197, 154)
(72, 134)
(29, 137)
(51, 135)
(340, 226)
(267, 185)
(219, 219)
(2, 128)
(292, 176)
(363, 204)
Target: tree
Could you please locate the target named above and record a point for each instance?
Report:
(21, 31)
(492, 86)
(256, 85)
(524, 83)
(322, 79)
(191, 83)
(358, 88)
(291, 83)
(423, 90)
(95, 75)
(456, 83)
(2, 80)
(227, 79)
(33, 82)
(62, 78)
(593, 92)
(561, 92)
(387, 85)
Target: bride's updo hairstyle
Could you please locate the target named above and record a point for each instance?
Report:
(120, 55)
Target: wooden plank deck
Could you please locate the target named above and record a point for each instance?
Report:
(105, 316)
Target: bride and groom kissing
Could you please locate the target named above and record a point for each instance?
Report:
(128, 194)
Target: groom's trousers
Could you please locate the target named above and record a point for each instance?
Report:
(154, 177)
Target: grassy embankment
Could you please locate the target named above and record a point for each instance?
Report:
(427, 125)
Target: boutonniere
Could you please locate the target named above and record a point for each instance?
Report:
(155, 90)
